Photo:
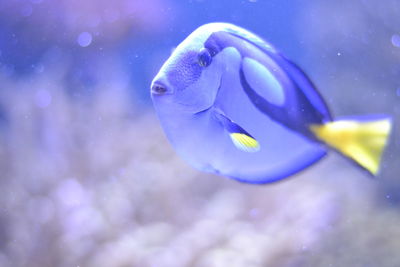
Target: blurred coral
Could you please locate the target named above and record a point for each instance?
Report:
(95, 183)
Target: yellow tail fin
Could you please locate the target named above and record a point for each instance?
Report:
(362, 141)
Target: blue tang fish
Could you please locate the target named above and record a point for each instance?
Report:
(232, 104)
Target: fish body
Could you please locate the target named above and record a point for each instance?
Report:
(230, 103)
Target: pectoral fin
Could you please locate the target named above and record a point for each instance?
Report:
(240, 137)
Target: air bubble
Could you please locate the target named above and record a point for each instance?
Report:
(84, 39)
(396, 40)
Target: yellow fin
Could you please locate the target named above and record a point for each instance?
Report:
(244, 142)
(361, 141)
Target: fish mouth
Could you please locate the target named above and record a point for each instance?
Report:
(212, 104)
(160, 87)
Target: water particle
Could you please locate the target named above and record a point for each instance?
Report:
(94, 21)
(70, 193)
(398, 91)
(254, 212)
(26, 10)
(252, 1)
(387, 196)
(39, 68)
(111, 15)
(84, 39)
(43, 98)
(339, 54)
(396, 40)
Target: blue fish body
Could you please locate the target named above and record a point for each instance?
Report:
(231, 104)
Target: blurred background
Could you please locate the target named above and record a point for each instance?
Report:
(87, 177)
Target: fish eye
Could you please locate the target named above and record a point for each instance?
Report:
(204, 58)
